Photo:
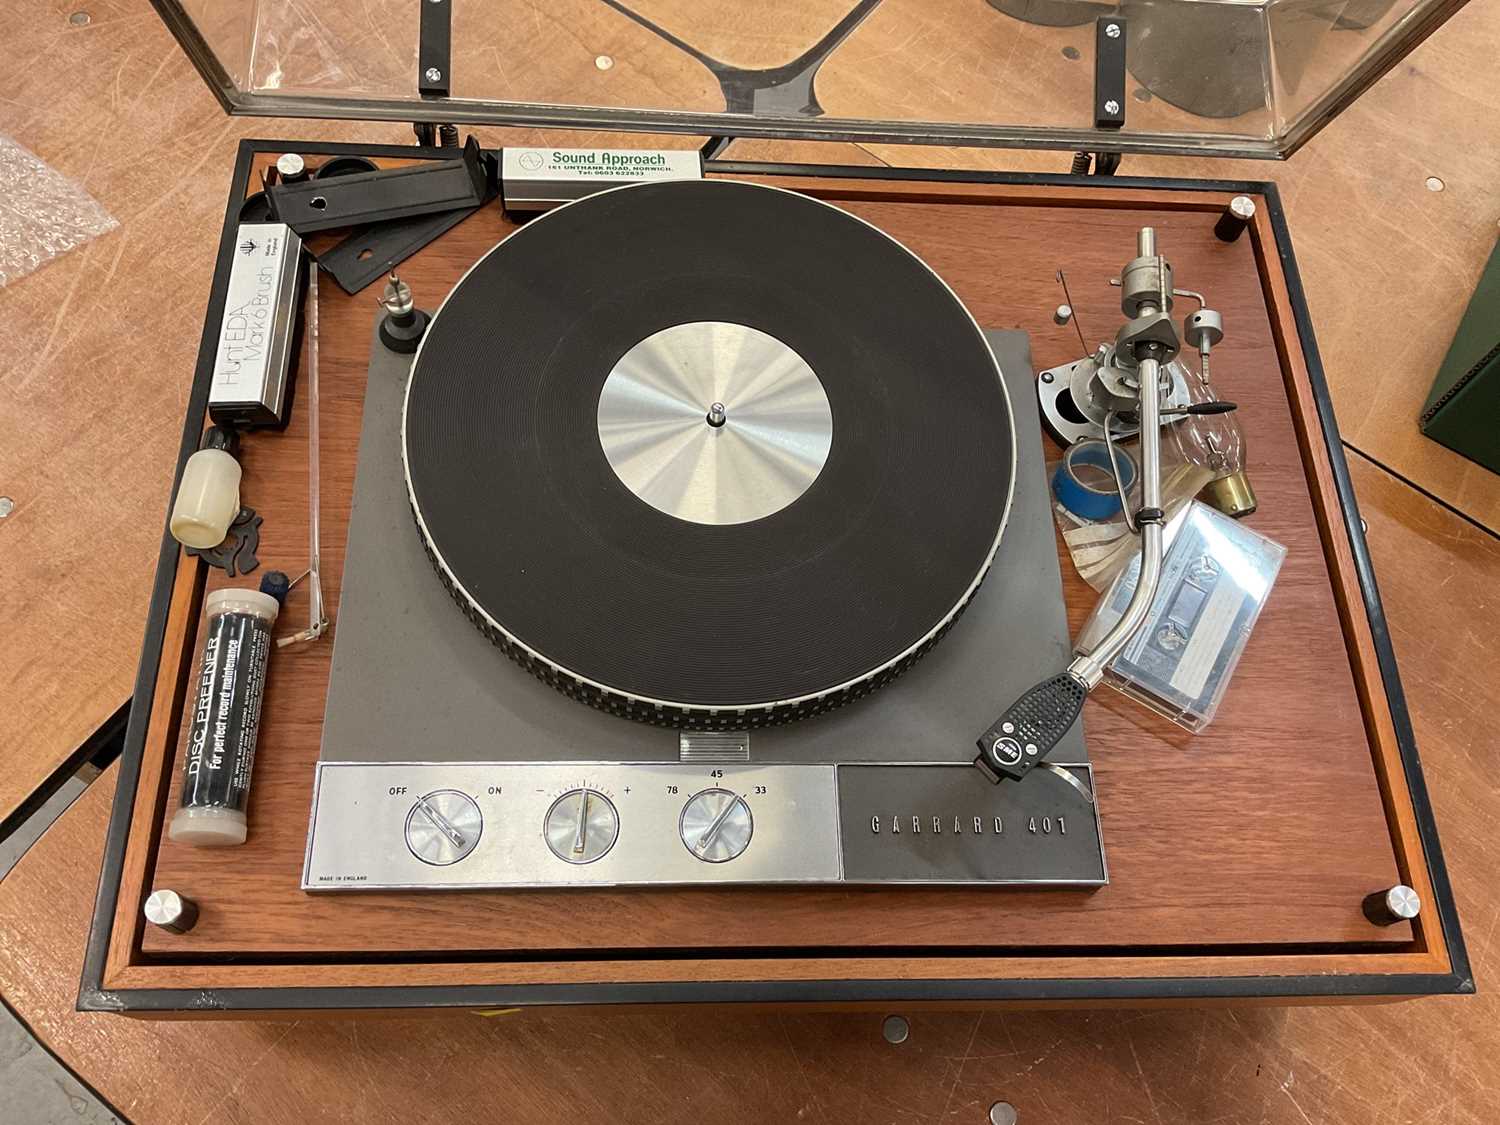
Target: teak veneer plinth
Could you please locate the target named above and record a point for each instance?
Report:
(1238, 858)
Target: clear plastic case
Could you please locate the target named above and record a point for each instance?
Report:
(1209, 77)
(1216, 577)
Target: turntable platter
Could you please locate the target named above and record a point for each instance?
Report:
(707, 453)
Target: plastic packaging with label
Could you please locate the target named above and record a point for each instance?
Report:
(1216, 577)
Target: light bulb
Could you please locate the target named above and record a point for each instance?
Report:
(1215, 442)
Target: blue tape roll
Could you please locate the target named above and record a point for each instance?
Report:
(1084, 499)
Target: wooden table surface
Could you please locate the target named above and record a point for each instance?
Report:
(95, 364)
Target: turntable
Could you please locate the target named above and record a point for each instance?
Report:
(673, 577)
(743, 518)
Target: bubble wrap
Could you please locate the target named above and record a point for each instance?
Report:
(42, 213)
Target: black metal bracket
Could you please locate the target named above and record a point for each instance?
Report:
(1109, 72)
(391, 193)
(434, 47)
(372, 251)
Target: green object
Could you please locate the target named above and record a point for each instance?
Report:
(1463, 410)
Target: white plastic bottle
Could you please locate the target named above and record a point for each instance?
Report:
(208, 498)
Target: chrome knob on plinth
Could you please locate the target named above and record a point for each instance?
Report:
(1394, 904)
(171, 911)
(291, 167)
(1235, 218)
(716, 825)
(443, 827)
(581, 826)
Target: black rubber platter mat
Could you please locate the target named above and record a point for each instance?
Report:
(662, 618)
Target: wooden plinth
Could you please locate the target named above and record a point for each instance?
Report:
(1243, 852)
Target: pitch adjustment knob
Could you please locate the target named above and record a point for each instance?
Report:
(716, 825)
(581, 826)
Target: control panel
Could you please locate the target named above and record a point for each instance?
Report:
(382, 825)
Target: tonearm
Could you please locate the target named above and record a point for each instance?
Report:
(1021, 737)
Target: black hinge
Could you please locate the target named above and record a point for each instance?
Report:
(434, 47)
(1109, 72)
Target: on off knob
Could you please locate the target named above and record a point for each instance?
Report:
(443, 827)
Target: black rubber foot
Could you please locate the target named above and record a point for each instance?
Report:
(404, 338)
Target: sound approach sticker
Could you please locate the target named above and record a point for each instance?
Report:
(552, 164)
(544, 177)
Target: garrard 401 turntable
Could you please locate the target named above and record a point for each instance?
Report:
(696, 570)
(771, 536)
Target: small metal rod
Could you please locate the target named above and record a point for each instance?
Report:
(1114, 467)
(1199, 297)
(318, 618)
(314, 449)
(1063, 278)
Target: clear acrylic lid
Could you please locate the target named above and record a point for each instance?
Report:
(1213, 77)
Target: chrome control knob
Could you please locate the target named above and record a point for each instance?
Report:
(716, 825)
(443, 827)
(581, 826)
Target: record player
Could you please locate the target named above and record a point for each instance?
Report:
(632, 479)
(701, 629)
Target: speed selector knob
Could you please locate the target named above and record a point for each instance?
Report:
(716, 825)
(443, 827)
